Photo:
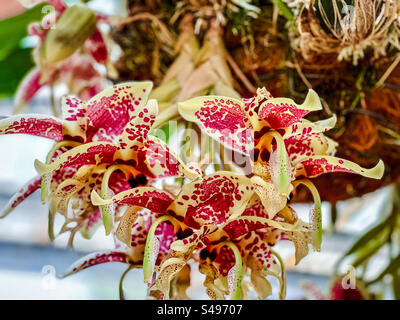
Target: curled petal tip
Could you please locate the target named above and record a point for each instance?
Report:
(312, 101)
(377, 171)
(41, 168)
(97, 200)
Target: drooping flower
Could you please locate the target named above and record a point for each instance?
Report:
(284, 148)
(102, 144)
(69, 46)
(219, 221)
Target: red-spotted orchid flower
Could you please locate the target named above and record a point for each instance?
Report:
(104, 145)
(69, 46)
(219, 221)
(285, 149)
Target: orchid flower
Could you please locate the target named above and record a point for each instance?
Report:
(102, 144)
(285, 149)
(219, 221)
(72, 63)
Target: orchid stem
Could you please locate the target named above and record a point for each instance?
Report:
(121, 281)
(282, 294)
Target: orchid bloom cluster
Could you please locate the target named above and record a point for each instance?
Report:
(106, 163)
(70, 44)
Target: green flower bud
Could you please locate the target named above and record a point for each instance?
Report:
(75, 25)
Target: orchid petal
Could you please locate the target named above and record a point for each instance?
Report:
(152, 248)
(180, 253)
(107, 211)
(29, 86)
(96, 46)
(124, 230)
(37, 125)
(213, 199)
(280, 167)
(235, 274)
(181, 284)
(300, 242)
(93, 153)
(315, 213)
(145, 197)
(211, 273)
(252, 105)
(74, 113)
(136, 131)
(91, 224)
(283, 112)
(156, 159)
(98, 258)
(273, 201)
(110, 110)
(65, 190)
(30, 187)
(222, 118)
(53, 153)
(306, 139)
(317, 165)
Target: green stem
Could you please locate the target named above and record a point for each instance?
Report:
(282, 294)
(121, 281)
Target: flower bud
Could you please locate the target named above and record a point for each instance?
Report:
(75, 25)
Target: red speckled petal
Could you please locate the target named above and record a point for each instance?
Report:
(139, 232)
(27, 90)
(91, 224)
(96, 258)
(252, 106)
(181, 251)
(283, 112)
(166, 236)
(96, 46)
(146, 197)
(307, 139)
(30, 187)
(136, 131)
(238, 228)
(37, 125)
(222, 118)
(317, 165)
(74, 118)
(157, 160)
(93, 153)
(259, 249)
(110, 111)
(213, 199)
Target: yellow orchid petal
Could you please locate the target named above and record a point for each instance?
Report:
(317, 165)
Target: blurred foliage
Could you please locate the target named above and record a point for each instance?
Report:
(385, 235)
(15, 59)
